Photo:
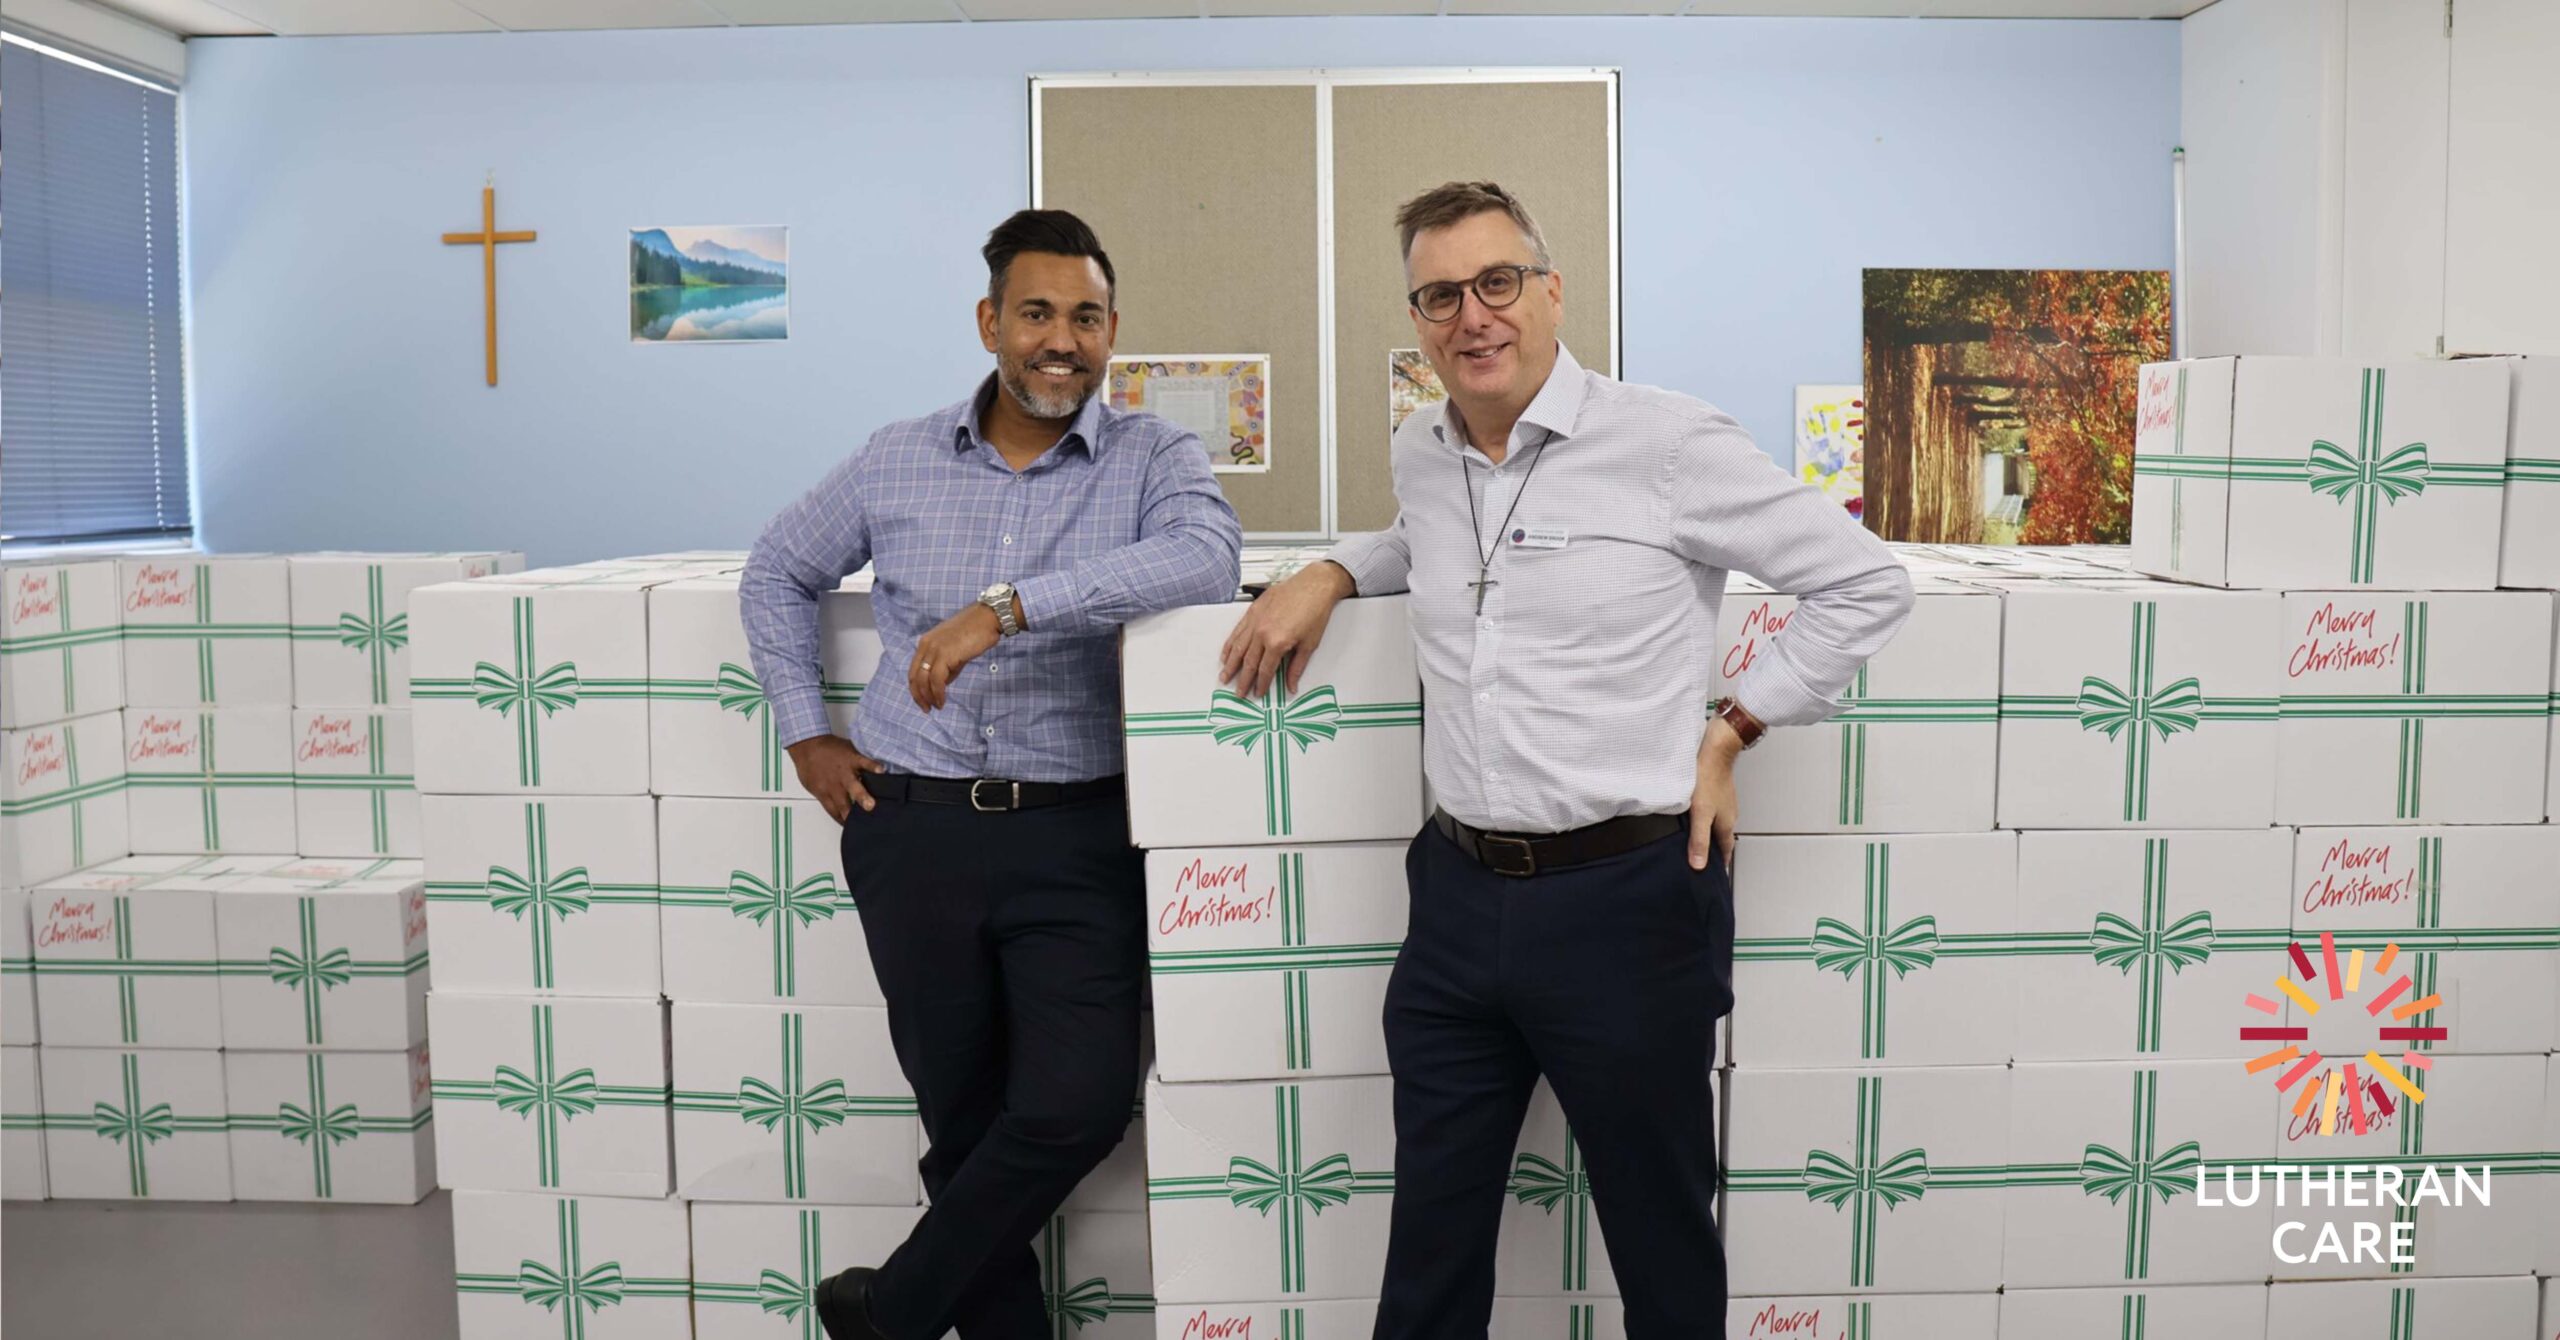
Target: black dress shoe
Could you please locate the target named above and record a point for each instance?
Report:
(844, 1305)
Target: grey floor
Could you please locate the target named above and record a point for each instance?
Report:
(71, 1270)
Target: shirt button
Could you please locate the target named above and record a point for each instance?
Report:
(989, 732)
(1484, 697)
(1008, 539)
(994, 669)
(1485, 624)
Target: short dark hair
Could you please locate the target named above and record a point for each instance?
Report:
(1053, 232)
(1457, 201)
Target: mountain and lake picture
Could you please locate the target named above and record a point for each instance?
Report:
(719, 283)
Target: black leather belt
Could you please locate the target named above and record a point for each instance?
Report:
(990, 795)
(1520, 855)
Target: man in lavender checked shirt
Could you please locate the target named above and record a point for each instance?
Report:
(986, 836)
(1565, 538)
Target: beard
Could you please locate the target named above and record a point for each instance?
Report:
(1014, 374)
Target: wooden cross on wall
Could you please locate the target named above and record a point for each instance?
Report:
(487, 239)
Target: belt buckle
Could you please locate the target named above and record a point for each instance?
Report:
(1014, 802)
(1489, 843)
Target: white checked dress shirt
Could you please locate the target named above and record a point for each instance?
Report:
(1580, 692)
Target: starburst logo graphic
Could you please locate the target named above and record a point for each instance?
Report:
(2361, 1093)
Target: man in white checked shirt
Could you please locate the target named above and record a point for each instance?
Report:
(1565, 539)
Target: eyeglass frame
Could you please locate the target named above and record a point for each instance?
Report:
(1522, 272)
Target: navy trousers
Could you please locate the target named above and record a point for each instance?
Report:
(1606, 978)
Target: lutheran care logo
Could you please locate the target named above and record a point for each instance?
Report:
(2367, 1095)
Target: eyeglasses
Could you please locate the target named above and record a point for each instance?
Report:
(1496, 287)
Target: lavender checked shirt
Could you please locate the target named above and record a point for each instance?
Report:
(1122, 518)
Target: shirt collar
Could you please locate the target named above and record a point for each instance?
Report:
(1086, 429)
(1554, 408)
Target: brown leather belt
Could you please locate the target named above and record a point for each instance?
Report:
(1520, 855)
(989, 795)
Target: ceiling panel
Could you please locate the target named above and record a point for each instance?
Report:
(1081, 9)
(1877, 9)
(539, 15)
(1542, 8)
(1245, 9)
(837, 11)
(2059, 9)
(299, 18)
(188, 18)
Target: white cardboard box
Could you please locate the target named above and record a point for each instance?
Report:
(551, 1094)
(210, 780)
(1915, 747)
(2269, 473)
(2529, 542)
(62, 803)
(2105, 1161)
(753, 908)
(1337, 762)
(1328, 1319)
(2188, 1312)
(17, 971)
(2480, 1112)
(123, 960)
(1550, 1243)
(2429, 707)
(2402, 1309)
(355, 790)
(848, 648)
(1272, 962)
(1910, 1316)
(206, 631)
(711, 732)
(341, 966)
(2138, 704)
(537, 894)
(536, 1267)
(1094, 1276)
(1865, 1181)
(122, 1124)
(2164, 932)
(756, 1268)
(1236, 1174)
(61, 642)
(351, 621)
(2546, 1261)
(535, 683)
(330, 1126)
(1845, 949)
(21, 1125)
(2475, 916)
(2551, 775)
(790, 1103)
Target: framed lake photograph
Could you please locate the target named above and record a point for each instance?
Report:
(716, 283)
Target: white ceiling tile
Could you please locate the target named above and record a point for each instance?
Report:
(1853, 9)
(2042, 9)
(305, 18)
(187, 18)
(540, 15)
(836, 11)
(1562, 8)
(1242, 9)
(1081, 9)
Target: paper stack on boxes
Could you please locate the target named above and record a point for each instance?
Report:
(235, 1009)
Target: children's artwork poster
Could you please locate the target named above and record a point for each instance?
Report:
(1831, 423)
(1411, 384)
(1224, 398)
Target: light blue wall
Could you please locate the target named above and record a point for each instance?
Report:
(335, 344)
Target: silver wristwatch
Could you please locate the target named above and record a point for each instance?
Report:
(999, 598)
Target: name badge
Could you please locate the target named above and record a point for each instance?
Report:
(1537, 537)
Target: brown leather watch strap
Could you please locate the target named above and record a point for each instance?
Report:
(1745, 725)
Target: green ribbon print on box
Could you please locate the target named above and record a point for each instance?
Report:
(2133, 1177)
(1290, 1188)
(377, 782)
(528, 693)
(734, 689)
(2363, 479)
(134, 1124)
(209, 781)
(547, 1099)
(779, 899)
(567, 1285)
(74, 795)
(1861, 710)
(795, 1107)
(2413, 706)
(788, 1294)
(1866, 1183)
(127, 969)
(1294, 959)
(61, 639)
(543, 898)
(312, 971)
(2141, 950)
(1086, 1302)
(207, 632)
(1274, 726)
(2141, 712)
(1539, 1181)
(322, 1126)
(373, 633)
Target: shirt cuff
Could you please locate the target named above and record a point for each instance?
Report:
(1772, 691)
(1371, 561)
(1051, 603)
(799, 714)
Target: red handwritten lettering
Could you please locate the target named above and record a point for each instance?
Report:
(2342, 637)
(1757, 622)
(2307, 1125)
(2159, 406)
(159, 588)
(42, 756)
(35, 597)
(332, 737)
(1772, 1320)
(1201, 1326)
(74, 922)
(161, 737)
(1182, 914)
(413, 921)
(2352, 876)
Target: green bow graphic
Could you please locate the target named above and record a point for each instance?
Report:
(572, 1096)
(2122, 945)
(736, 690)
(560, 895)
(597, 1287)
(2107, 709)
(1084, 1303)
(780, 1295)
(1253, 1185)
(761, 1104)
(788, 903)
(299, 1124)
(309, 969)
(142, 1125)
(528, 694)
(1840, 946)
(1835, 1181)
(2111, 1173)
(1310, 717)
(2338, 473)
(1541, 1181)
(377, 632)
